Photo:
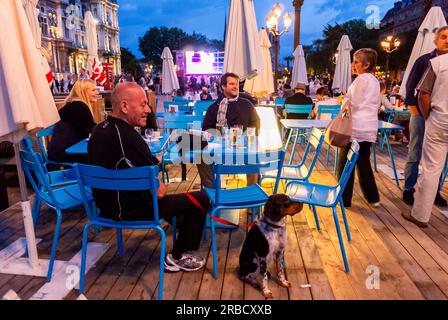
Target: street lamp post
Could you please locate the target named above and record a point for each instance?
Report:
(273, 28)
(390, 44)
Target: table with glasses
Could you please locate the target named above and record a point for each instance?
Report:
(383, 126)
(156, 145)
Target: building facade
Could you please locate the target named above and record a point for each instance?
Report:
(64, 42)
(407, 15)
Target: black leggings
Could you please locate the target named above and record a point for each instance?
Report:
(364, 171)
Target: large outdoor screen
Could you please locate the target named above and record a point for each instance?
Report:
(204, 62)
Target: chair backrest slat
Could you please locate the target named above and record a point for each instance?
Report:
(333, 110)
(279, 102)
(259, 163)
(316, 140)
(182, 106)
(202, 106)
(352, 156)
(42, 139)
(138, 178)
(37, 175)
(298, 109)
(181, 121)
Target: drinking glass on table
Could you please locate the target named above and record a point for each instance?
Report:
(250, 132)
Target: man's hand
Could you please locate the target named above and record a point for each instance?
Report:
(424, 102)
(161, 191)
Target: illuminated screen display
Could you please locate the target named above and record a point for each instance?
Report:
(204, 62)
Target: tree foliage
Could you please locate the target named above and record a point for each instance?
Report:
(156, 38)
(322, 51)
(130, 64)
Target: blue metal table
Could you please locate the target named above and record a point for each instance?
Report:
(383, 126)
(156, 146)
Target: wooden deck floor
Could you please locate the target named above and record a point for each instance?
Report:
(412, 262)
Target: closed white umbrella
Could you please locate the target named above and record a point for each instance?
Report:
(242, 54)
(299, 74)
(25, 98)
(343, 72)
(169, 76)
(31, 12)
(94, 66)
(425, 41)
(263, 83)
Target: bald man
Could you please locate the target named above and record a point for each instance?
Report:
(114, 144)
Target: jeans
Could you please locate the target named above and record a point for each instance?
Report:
(417, 132)
(364, 172)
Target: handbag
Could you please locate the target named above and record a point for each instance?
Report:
(339, 131)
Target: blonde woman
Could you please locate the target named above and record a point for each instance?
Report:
(365, 99)
(76, 121)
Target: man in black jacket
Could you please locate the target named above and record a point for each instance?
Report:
(300, 98)
(417, 122)
(114, 144)
(230, 110)
(238, 110)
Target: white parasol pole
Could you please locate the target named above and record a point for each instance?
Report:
(26, 210)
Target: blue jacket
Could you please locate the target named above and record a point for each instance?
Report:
(419, 68)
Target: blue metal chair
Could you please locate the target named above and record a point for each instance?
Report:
(333, 110)
(180, 98)
(200, 107)
(182, 106)
(445, 173)
(138, 178)
(180, 121)
(327, 196)
(43, 135)
(248, 197)
(301, 172)
(56, 189)
(297, 109)
(279, 102)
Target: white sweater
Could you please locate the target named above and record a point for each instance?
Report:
(365, 98)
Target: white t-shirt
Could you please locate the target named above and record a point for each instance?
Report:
(365, 98)
(435, 82)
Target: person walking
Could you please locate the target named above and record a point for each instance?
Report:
(365, 98)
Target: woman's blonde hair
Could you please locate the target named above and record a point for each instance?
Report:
(79, 92)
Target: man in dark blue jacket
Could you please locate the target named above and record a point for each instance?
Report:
(417, 122)
(230, 109)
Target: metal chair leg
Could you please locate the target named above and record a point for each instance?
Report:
(341, 242)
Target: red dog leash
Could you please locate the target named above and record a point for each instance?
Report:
(222, 221)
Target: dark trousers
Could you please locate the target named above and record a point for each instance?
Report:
(189, 219)
(364, 171)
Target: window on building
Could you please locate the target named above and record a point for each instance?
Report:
(43, 22)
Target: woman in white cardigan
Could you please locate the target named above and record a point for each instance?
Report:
(365, 99)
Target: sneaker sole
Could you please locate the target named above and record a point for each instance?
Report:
(171, 268)
(183, 268)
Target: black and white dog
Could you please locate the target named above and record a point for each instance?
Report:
(266, 241)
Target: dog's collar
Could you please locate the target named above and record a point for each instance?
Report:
(272, 223)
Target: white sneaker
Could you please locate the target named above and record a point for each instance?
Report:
(376, 204)
(187, 262)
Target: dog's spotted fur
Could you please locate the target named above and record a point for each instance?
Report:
(265, 242)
